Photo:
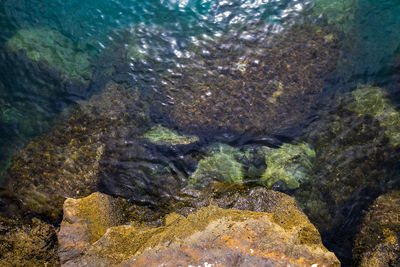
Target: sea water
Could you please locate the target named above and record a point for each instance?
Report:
(135, 42)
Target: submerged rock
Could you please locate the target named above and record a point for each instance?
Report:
(239, 88)
(31, 243)
(65, 162)
(164, 136)
(378, 242)
(53, 49)
(288, 166)
(356, 154)
(210, 236)
(373, 101)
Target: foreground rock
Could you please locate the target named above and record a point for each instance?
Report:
(378, 242)
(211, 235)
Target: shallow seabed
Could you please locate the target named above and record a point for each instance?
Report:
(148, 100)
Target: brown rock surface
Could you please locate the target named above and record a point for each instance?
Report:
(378, 242)
(211, 235)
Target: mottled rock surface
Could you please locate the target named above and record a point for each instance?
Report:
(258, 86)
(65, 162)
(31, 243)
(210, 235)
(378, 242)
(356, 144)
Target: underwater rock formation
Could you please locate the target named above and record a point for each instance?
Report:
(378, 242)
(288, 166)
(164, 136)
(213, 235)
(228, 84)
(31, 243)
(65, 162)
(356, 143)
(49, 47)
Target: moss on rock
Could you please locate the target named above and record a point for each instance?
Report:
(284, 236)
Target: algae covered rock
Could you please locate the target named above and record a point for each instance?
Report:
(378, 242)
(220, 164)
(31, 243)
(373, 101)
(216, 236)
(164, 136)
(356, 154)
(288, 166)
(85, 221)
(49, 47)
(66, 162)
(229, 85)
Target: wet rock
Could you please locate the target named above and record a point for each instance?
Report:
(247, 90)
(31, 243)
(288, 166)
(216, 236)
(164, 136)
(51, 48)
(378, 242)
(355, 147)
(65, 162)
(85, 221)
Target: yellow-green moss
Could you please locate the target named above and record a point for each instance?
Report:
(164, 136)
(288, 165)
(373, 101)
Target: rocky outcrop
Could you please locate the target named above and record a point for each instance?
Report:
(211, 235)
(378, 242)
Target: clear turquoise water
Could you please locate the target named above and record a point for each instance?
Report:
(162, 31)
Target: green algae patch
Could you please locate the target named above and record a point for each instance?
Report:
(50, 47)
(221, 165)
(164, 136)
(288, 166)
(373, 101)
